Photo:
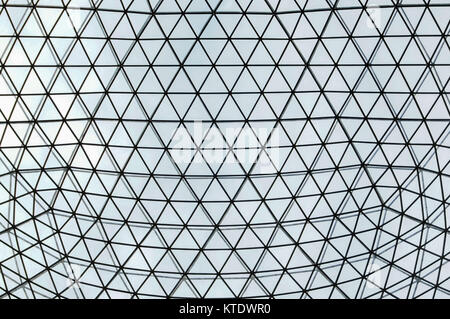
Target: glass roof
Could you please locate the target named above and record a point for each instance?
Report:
(224, 148)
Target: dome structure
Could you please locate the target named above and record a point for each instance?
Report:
(219, 148)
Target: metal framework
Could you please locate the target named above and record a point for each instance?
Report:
(94, 202)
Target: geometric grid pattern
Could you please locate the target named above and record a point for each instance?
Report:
(93, 203)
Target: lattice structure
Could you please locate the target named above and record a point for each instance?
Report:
(347, 200)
